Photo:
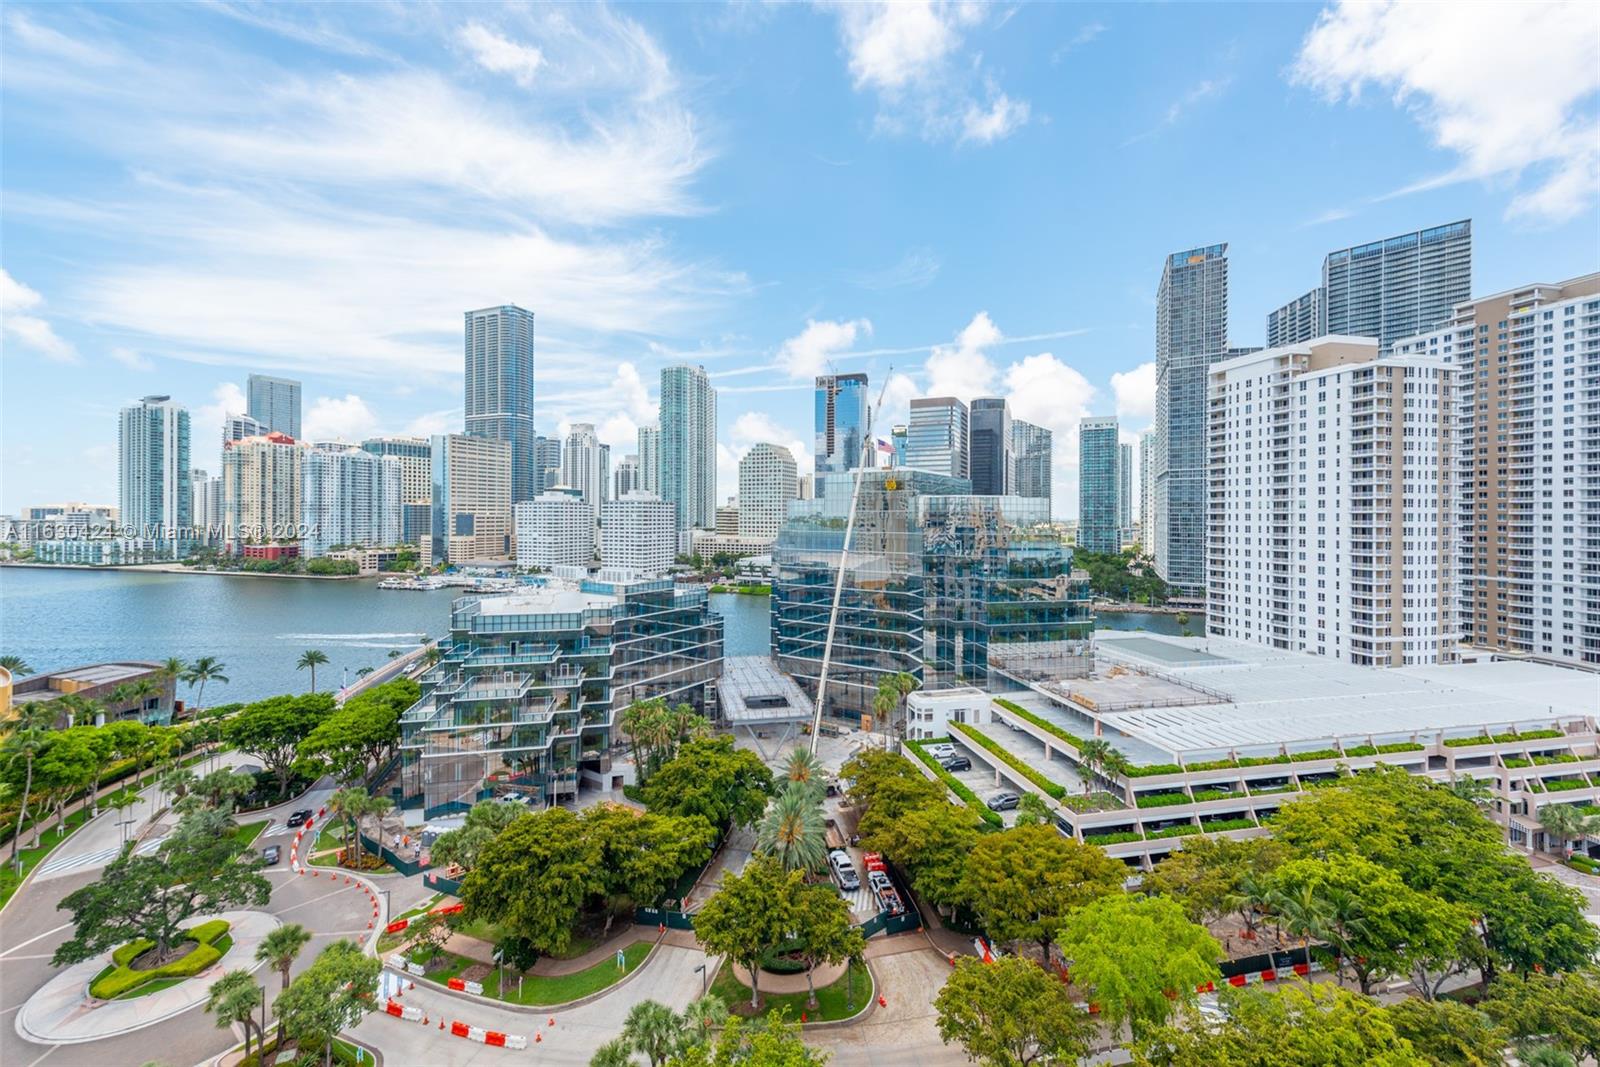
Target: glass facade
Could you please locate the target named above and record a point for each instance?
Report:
(842, 421)
(936, 437)
(1099, 486)
(499, 388)
(526, 694)
(1400, 286)
(934, 576)
(989, 453)
(274, 403)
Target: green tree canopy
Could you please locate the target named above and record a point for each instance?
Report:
(535, 876)
(1024, 882)
(331, 995)
(271, 730)
(643, 855)
(751, 912)
(1561, 1009)
(1012, 1013)
(712, 779)
(1137, 957)
(1448, 1034)
(1206, 874)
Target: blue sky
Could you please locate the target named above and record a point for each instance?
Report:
(978, 196)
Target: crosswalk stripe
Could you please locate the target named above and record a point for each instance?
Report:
(100, 856)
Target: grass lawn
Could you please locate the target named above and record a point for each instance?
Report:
(456, 966)
(248, 832)
(31, 857)
(539, 990)
(831, 1000)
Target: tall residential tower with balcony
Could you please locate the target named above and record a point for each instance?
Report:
(499, 388)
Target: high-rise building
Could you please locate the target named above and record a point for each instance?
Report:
(471, 499)
(1301, 319)
(768, 480)
(1331, 509)
(546, 462)
(416, 464)
(625, 479)
(153, 494)
(650, 457)
(238, 427)
(1099, 485)
(1031, 447)
(936, 436)
(728, 519)
(1149, 520)
(274, 403)
(554, 530)
(638, 534)
(897, 438)
(1125, 491)
(350, 497)
(206, 510)
(1191, 334)
(1527, 461)
(262, 478)
(689, 445)
(583, 465)
(1400, 286)
(843, 420)
(807, 486)
(499, 388)
(989, 453)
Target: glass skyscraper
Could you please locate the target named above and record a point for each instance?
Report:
(1191, 334)
(1032, 454)
(1099, 485)
(688, 475)
(274, 403)
(989, 452)
(154, 497)
(499, 388)
(842, 421)
(1398, 287)
(936, 437)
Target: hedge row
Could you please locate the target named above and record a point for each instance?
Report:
(1114, 838)
(1181, 830)
(120, 978)
(1561, 785)
(1219, 825)
(1161, 800)
(958, 787)
(1054, 790)
(1503, 739)
(1044, 724)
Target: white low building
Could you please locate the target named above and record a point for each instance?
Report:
(554, 529)
(929, 714)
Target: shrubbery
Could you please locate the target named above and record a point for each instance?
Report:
(121, 978)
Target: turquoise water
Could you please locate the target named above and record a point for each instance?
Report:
(1152, 622)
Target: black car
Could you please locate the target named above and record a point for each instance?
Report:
(956, 763)
(271, 855)
(300, 818)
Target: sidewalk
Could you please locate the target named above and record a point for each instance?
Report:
(475, 948)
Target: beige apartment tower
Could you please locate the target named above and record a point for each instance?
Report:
(470, 513)
(261, 482)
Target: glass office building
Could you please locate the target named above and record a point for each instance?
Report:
(526, 695)
(989, 454)
(1400, 286)
(935, 576)
(842, 421)
(499, 388)
(274, 403)
(1099, 485)
(937, 436)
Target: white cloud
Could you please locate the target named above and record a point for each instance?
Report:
(752, 428)
(131, 358)
(501, 55)
(434, 422)
(898, 393)
(1135, 391)
(807, 354)
(345, 418)
(964, 370)
(17, 301)
(908, 53)
(1047, 392)
(1510, 89)
(205, 421)
(916, 269)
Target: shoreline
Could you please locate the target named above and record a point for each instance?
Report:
(179, 568)
(1122, 608)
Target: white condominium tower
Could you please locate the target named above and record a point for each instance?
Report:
(350, 497)
(554, 530)
(650, 458)
(1148, 526)
(768, 480)
(1331, 514)
(625, 475)
(688, 445)
(638, 533)
(583, 465)
(261, 482)
(1528, 466)
(153, 494)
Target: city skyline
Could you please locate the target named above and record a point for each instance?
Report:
(674, 277)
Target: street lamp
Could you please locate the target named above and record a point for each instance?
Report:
(702, 970)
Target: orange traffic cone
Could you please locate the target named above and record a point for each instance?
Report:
(882, 1003)
(537, 1037)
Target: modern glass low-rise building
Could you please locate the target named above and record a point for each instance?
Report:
(934, 578)
(526, 695)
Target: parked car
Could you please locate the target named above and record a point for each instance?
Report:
(512, 798)
(878, 881)
(1003, 801)
(300, 818)
(889, 900)
(271, 855)
(940, 751)
(844, 872)
(956, 763)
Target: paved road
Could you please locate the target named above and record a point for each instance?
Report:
(905, 1031)
(669, 977)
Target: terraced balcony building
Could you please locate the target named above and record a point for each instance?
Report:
(529, 687)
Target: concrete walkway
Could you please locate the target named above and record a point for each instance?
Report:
(824, 976)
(61, 1012)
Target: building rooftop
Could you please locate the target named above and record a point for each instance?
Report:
(753, 690)
(555, 597)
(1296, 700)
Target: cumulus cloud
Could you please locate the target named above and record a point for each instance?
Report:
(205, 421)
(964, 369)
(909, 53)
(807, 354)
(1509, 89)
(1135, 391)
(1047, 392)
(749, 429)
(18, 302)
(342, 418)
(501, 55)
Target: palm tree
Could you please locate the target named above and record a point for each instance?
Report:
(1473, 790)
(705, 1014)
(172, 669)
(27, 739)
(120, 695)
(1545, 1056)
(348, 805)
(432, 656)
(1345, 924)
(1093, 754)
(234, 998)
(1562, 823)
(142, 691)
(1253, 895)
(378, 807)
(1031, 810)
(792, 830)
(1305, 913)
(363, 672)
(892, 691)
(653, 1030)
(203, 670)
(312, 658)
(614, 1053)
(278, 950)
(16, 665)
(805, 770)
(177, 783)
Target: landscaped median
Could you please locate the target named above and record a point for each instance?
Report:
(526, 990)
(124, 978)
(955, 785)
(844, 998)
(1054, 790)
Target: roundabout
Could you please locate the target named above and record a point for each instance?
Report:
(62, 1011)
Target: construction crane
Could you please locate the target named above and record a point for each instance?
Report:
(867, 456)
